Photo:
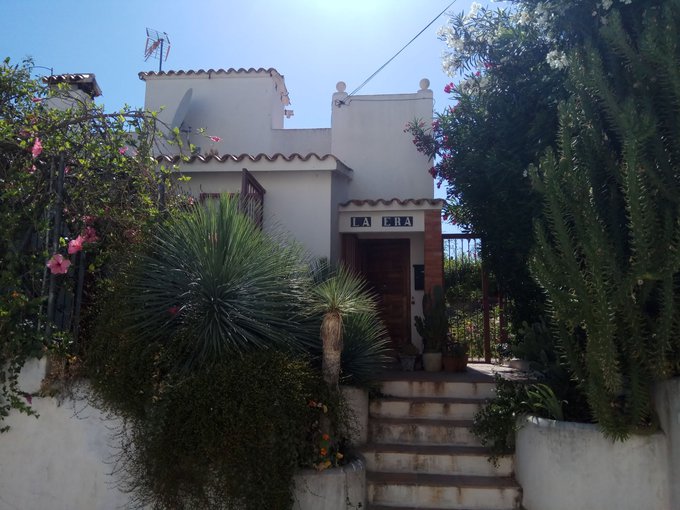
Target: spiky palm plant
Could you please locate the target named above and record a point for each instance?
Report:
(211, 284)
(340, 294)
(366, 349)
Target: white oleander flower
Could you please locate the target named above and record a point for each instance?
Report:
(556, 59)
(474, 9)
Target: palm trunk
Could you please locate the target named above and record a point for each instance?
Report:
(331, 336)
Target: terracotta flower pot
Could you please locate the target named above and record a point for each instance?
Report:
(455, 363)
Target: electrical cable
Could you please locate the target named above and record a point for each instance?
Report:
(397, 53)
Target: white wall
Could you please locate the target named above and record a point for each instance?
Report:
(245, 109)
(368, 136)
(301, 141)
(60, 461)
(667, 404)
(298, 200)
(242, 108)
(571, 466)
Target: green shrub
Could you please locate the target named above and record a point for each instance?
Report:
(226, 437)
(199, 347)
(608, 250)
(496, 423)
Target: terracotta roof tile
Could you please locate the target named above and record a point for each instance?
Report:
(237, 158)
(393, 201)
(144, 74)
(276, 76)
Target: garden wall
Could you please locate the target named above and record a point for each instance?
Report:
(64, 460)
(60, 461)
(572, 466)
(667, 401)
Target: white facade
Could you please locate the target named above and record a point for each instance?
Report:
(364, 164)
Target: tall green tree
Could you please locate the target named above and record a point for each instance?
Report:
(608, 252)
(504, 114)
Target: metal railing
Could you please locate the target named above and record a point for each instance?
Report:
(475, 307)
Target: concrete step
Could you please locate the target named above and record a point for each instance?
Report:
(439, 389)
(442, 491)
(434, 459)
(421, 431)
(390, 507)
(426, 407)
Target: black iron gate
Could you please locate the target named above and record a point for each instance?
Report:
(475, 307)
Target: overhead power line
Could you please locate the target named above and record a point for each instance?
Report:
(405, 46)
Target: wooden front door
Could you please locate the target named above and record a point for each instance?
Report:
(385, 264)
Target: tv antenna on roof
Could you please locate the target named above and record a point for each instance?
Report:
(157, 46)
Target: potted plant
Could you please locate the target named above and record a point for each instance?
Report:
(455, 356)
(407, 356)
(433, 327)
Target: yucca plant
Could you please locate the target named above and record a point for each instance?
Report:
(212, 284)
(339, 294)
(366, 348)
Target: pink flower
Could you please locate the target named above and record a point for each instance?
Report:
(75, 245)
(67, 170)
(89, 235)
(215, 139)
(58, 264)
(37, 148)
(433, 172)
(122, 150)
(445, 216)
(88, 220)
(478, 73)
(449, 87)
(28, 397)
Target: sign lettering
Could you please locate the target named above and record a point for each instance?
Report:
(397, 221)
(360, 221)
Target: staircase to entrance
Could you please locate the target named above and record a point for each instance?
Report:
(421, 453)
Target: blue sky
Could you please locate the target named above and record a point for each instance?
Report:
(313, 43)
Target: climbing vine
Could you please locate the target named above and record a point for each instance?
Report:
(77, 187)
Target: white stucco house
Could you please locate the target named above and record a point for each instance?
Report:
(358, 192)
